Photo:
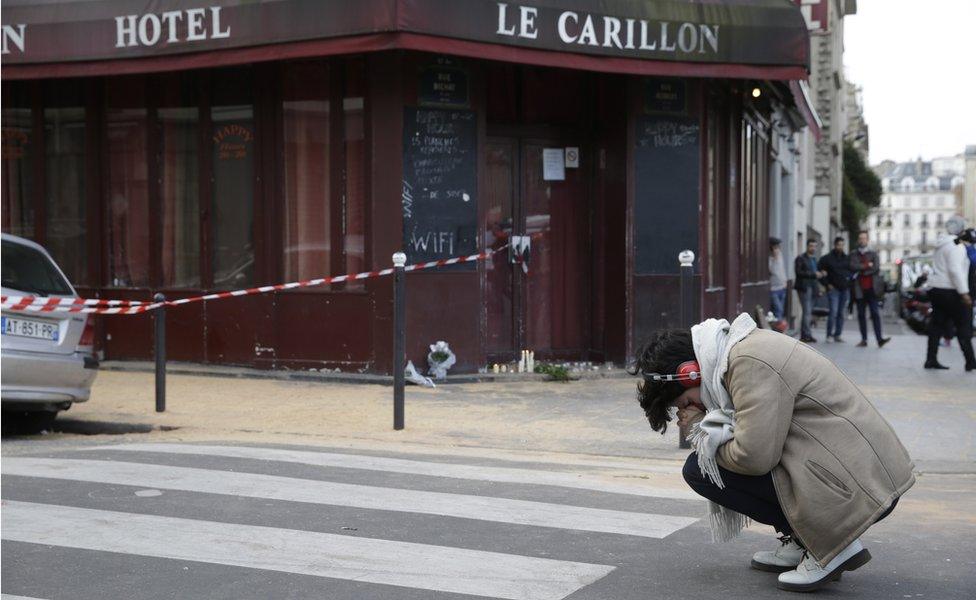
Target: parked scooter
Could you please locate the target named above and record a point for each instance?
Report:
(916, 309)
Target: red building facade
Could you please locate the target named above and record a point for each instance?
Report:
(243, 144)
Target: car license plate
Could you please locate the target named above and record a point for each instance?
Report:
(30, 328)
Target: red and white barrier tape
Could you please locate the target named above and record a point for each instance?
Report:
(132, 307)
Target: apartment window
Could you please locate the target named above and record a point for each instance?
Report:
(907, 220)
(940, 220)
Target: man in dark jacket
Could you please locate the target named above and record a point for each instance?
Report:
(837, 265)
(807, 287)
(868, 289)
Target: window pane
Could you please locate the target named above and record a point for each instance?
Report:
(180, 197)
(17, 153)
(179, 120)
(232, 117)
(64, 178)
(305, 114)
(354, 219)
(128, 183)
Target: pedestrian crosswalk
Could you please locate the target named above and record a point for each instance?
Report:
(125, 479)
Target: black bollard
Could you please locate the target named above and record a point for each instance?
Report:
(399, 338)
(159, 317)
(686, 259)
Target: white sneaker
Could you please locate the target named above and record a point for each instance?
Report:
(785, 558)
(809, 575)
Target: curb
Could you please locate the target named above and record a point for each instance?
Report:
(178, 368)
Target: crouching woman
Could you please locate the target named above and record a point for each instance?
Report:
(781, 437)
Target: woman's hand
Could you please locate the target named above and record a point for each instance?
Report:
(689, 415)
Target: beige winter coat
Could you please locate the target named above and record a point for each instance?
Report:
(837, 465)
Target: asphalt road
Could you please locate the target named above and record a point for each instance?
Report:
(148, 521)
(508, 490)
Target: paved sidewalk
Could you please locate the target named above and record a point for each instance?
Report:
(933, 412)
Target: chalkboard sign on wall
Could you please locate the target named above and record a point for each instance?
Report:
(667, 184)
(440, 180)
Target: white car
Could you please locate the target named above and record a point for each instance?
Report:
(48, 361)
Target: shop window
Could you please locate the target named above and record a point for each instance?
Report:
(232, 155)
(717, 228)
(126, 122)
(754, 202)
(178, 120)
(307, 158)
(64, 177)
(18, 161)
(354, 173)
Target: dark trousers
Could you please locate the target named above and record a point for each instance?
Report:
(947, 308)
(868, 299)
(754, 497)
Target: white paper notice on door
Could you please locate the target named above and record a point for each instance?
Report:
(553, 164)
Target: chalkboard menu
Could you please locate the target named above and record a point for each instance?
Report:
(440, 181)
(667, 183)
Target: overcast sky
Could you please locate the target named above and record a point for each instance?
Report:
(916, 62)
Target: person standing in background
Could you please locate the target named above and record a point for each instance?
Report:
(868, 289)
(807, 287)
(950, 298)
(777, 279)
(837, 265)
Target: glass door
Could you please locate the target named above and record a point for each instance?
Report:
(543, 305)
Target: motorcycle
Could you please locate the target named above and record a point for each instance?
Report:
(916, 309)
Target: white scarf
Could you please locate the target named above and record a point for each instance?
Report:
(713, 340)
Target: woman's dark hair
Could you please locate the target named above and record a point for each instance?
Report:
(666, 349)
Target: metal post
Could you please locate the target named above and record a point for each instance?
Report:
(399, 337)
(159, 316)
(686, 258)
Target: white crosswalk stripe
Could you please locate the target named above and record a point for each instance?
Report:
(355, 558)
(273, 487)
(414, 467)
(403, 564)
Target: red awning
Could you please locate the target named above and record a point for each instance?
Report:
(803, 102)
(756, 39)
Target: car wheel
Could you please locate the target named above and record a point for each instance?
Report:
(28, 422)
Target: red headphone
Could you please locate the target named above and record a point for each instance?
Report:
(688, 375)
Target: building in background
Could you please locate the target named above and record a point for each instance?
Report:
(807, 167)
(969, 186)
(856, 131)
(822, 167)
(917, 199)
